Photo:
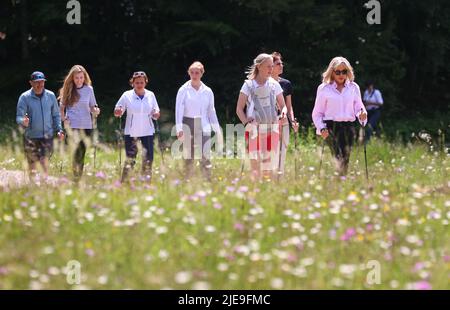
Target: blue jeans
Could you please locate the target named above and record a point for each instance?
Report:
(372, 123)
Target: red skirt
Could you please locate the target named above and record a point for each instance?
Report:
(265, 141)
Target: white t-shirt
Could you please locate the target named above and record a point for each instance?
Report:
(79, 114)
(139, 112)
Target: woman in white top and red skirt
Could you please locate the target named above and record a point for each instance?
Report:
(338, 104)
(260, 99)
(142, 108)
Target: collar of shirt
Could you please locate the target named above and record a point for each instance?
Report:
(202, 86)
(36, 96)
(136, 96)
(256, 84)
(334, 84)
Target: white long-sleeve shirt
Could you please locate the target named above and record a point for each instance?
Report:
(337, 106)
(139, 112)
(374, 96)
(196, 103)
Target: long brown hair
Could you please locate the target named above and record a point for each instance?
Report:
(68, 93)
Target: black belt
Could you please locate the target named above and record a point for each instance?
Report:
(333, 124)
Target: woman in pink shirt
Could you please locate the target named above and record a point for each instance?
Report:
(338, 104)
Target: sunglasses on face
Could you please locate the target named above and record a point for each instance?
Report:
(139, 73)
(339, 72)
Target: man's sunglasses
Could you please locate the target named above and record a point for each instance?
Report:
(339, 72)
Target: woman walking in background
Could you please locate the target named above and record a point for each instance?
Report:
(338, 104)
(373, 102)
(141, 107)
(77, 103)
(195, 116)
(287, 94)
(262, 97)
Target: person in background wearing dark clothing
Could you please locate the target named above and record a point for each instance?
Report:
(373, 101)
(287, 94)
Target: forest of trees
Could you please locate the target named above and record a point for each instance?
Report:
(406, 55)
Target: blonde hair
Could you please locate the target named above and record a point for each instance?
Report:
(68, 93)
(327, 76)
(253, 71)
(197, 65)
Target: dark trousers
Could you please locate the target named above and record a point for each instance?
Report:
(80, 151)
(197, 150)
(131, 150)
(372, 122)
(340, 141)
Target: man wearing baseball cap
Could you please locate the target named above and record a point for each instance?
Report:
(38, 113)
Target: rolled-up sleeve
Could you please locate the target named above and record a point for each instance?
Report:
(155, 105)
(179, 110)
(319, 110)
(92, 100)
(379, 97)
(122, 103)
(212, 114)
(358, 106)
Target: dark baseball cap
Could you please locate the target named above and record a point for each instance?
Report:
(37, 76)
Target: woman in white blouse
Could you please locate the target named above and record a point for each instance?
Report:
(338, 104)
(195, 116)
(141, 107)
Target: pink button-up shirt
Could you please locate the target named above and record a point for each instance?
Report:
(337, 106)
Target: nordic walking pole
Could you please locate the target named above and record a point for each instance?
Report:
(246, 146)
(291, 123)
(365, 151)
(160, 143)
(61, 151)
(280, 126)
(94, 134)
(296, 150)
(321, 155)
(120, 144)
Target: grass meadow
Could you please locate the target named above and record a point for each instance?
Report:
(303, 231)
